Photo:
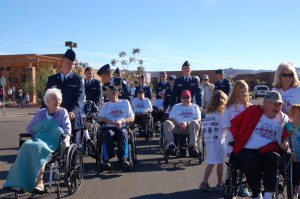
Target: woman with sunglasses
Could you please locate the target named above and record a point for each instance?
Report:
(286, 82)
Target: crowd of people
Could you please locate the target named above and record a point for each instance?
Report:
(261, 133)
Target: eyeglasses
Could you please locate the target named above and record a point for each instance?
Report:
(162, 75)
(206, 80)
(185, 97)
(291, 75)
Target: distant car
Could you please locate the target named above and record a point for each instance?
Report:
(260, 91)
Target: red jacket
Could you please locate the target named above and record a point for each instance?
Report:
(243, 125)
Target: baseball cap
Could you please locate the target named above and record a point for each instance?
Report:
(112, 87)
(205, 77)
(186, 93)
(273, 97)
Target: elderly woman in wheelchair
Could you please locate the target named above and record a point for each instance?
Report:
(46, 128)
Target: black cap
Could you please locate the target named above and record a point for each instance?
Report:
(172, 77)
(219, 71)
(104, 68)
(70, 54)
(163, 73)
(142, 76)
(112, 87)
(141, 90)
(117, 71)
(186, 63)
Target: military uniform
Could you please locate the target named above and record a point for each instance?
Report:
(147, 90)
(223, 85)
(161, 86)
(123, 86)
(93, 91)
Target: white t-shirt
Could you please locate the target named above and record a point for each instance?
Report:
(185, 113)
(264, 132)
(159, 103)
(214, 138)
(230, 113)
(289, 97)
(142, 106)
(116, 110)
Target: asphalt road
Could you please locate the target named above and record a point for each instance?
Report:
(151, 178)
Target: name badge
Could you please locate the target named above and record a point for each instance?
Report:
(193, 84)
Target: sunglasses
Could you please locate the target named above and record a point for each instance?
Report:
(185, 98)
(291, 75)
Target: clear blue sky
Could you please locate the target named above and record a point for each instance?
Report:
(211, 34)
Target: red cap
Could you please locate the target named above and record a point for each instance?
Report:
(186, 93)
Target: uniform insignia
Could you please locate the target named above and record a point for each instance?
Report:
(193, 84)
(72, 86)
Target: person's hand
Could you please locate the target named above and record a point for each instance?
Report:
(183, 125)
(71, 115)
(285, 145)
(118, 124)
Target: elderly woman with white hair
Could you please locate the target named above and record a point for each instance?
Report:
(46, 127)
(286, 82)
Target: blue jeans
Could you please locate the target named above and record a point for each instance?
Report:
(111, 134)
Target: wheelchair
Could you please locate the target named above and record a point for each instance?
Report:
(149, 130)
(234, 178)
(181, 143)
(100, 144)
(65, 169)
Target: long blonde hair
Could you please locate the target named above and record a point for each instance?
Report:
(235, 94)
(280, 68)
(217, 102)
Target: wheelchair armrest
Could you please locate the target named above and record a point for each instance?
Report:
(25, 135)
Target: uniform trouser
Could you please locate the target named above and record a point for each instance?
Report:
(76, 136)
(192, 131)
(253, 164)
(122, 139)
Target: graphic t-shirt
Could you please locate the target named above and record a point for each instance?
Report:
(289, 97)
(230, 113)
(116, 110)
(141, 106)
(294, 133)
(159, 103)
(264, 132)
(185, 113)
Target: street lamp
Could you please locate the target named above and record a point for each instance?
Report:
(71, 44)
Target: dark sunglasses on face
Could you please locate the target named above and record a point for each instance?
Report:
(185, 98)
(291, 75)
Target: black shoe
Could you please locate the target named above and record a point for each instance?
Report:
(106, 165)
(183, 151)
(171, 150)
(125, 164)
(193, 152)
(91, 144)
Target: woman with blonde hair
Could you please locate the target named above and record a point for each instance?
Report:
(286, 82)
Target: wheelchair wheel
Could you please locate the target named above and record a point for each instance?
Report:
(231, 181)
(288, 172)
(74, 169)
(149, 129)
(132, 150)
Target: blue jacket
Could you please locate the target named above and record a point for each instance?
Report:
(147, 90)
(93, 91)
(160, 87)
(73, 95)
(224, 86)
(193, 86)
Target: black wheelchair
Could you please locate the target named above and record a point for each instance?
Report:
(234, 178)
(181, 143)
(148, 131)
(100, 144)
(65, 169)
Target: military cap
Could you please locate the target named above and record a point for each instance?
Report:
(163, 73)
(142, 76)
(117, 71)
(141, 90)
(70, 54)
(172, 77)
(104, 68)
(274, 97)
(186, 63)
(219, 71)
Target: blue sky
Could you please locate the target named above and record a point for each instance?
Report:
(211, 34)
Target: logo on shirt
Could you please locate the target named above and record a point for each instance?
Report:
(115, 112)
(186, 114)
(266, 130)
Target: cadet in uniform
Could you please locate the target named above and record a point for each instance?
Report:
(222, 83)
(168, 92)
(143, 86)
(121, 83)
(186, 82)
(93, 87)
(163, 84)
(72, 88)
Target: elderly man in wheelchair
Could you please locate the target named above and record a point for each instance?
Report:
(184, 119)
(116, 114)
(257, 135)
(46, 128)
(142, 108)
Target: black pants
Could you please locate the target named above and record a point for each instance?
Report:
(253, 164)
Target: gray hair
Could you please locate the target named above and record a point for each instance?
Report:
(52, 92)
(289, 66)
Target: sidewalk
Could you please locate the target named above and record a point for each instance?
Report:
(12, 109)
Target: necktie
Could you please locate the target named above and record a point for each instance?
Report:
(64, 79)
(186, 80)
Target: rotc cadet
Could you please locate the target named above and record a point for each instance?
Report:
(186, 82)
(116, 74)
(93, 87)
(163, 84)
(72, 88)
(222, 83)
(168, 92)
(121, 83)
(147, 89)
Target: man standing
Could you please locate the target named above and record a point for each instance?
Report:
(222, 83)
(163, 84)
(72, 88)
(208, 89)
(106, 76)
(93, 87)
(187, 82)
(145, 87)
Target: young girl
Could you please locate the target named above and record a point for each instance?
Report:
(214, 139)
(292, 133)
(237, 102)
